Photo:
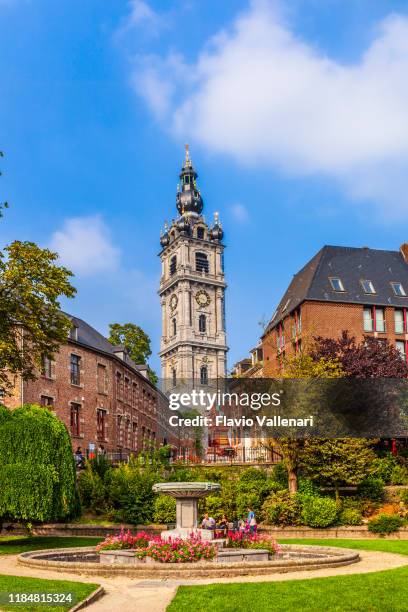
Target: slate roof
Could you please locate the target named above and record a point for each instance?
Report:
(91, 338)
(351, 265)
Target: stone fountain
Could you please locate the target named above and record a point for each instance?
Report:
(187, 495)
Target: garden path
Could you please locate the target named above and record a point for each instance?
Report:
(123, 593)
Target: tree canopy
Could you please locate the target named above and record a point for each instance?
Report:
(135, 341)
(37, 476)
(31, 322)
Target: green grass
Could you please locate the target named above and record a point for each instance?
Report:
(14, 545)
(375, 592)
(31, 585)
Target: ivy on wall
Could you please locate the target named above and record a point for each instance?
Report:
(37, 475)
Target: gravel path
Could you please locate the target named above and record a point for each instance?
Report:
(127, 595)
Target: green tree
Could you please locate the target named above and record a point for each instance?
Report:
(37, 476)
(342, 461)
(31, 323)
(301, 366)
(135, 341)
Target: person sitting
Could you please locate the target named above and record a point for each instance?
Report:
(208, 522)
(223, 525)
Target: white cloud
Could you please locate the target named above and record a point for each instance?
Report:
(143, 19)
(85, 247)
(240, 213)
(262, 95)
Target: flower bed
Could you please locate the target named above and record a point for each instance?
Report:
(243, 539)
(174, 550)
(126, 541)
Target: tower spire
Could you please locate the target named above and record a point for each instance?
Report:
(187, 161)
(188, 198)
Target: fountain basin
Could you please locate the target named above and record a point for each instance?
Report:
(291, 558)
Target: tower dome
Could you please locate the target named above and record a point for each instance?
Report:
(188, 197)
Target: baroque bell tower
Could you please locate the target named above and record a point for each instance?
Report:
(193, 344)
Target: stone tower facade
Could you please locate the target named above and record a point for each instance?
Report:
(192, 291)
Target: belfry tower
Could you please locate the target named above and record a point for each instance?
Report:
(192, 287)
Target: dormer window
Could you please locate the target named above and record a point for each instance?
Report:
(368, 286)
(200, 233)
(398, 289)
(73, 333)
(337, 284)
(286, 304)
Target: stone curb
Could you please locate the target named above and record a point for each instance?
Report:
(337, 557)
(96, 594)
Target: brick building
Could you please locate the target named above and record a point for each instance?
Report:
(362, 290)
(101, 395)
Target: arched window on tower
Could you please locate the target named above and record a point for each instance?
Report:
(200, 233)
(202, 323)
(174, 324)
(203, 375)
(173, 265)
(201, 261)
(174, 376)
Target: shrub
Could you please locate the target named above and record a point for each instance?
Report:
(247, 500)
(131, 494)
(385, 523)
(214, 506)
(92, 491)
(319, 512)
(350, 516)
(280, 475)
(404, 497)
(178, 551)
(37, 476)
(164, 509)
(399, 475)
(281, 509)
(371, 488)
(382, 467)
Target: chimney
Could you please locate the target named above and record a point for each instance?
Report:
(404, 251)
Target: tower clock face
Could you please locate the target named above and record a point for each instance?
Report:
(202, 298)
(173, 302)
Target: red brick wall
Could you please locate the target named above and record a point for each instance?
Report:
(137, 403)
(327, 320)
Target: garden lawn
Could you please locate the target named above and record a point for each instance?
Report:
(31, 585)
(375, 592)
(14, 545)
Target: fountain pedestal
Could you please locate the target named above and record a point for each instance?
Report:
(187, 495)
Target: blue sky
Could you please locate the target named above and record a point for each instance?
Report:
(297, 122)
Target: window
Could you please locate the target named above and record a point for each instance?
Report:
(75, 370)
(46, 370)
(399, 321)
(75, 425)
(120, 430)
(203, 375)
(373, 319)
(337, 284)
(200, 233)
(174, 376)
(118, 384)
(201, 260)
(280, 333)
(134, 435)
(102, 378)
(368, 286)
(101, 424)
(398, 289)
(379, 320)
(400, 346)
(127, 389)
(174, 324)
(202, 323)
(173, 265)
(45, 400)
